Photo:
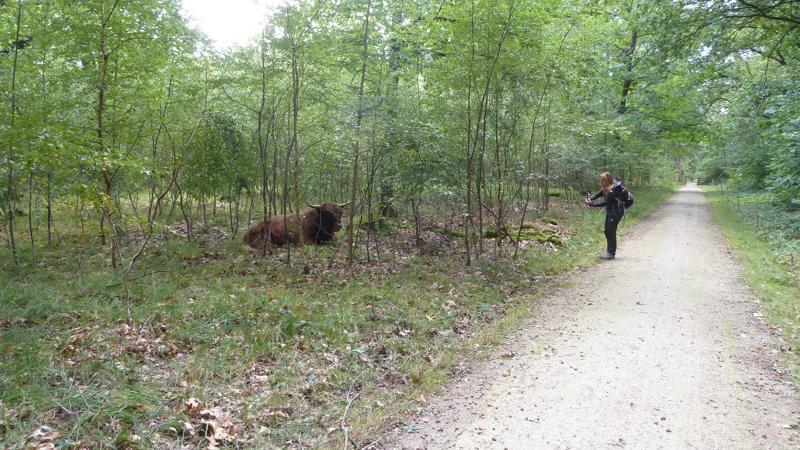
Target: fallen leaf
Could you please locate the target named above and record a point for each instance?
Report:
(42, 438)
(192, 406)
(277, 413)
(216, 425)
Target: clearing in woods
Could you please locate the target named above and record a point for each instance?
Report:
(663, 348)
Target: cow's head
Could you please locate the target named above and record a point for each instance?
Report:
(330, 216)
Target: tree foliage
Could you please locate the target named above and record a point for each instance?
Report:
(477, 107)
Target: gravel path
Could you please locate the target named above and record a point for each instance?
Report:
(663, 348)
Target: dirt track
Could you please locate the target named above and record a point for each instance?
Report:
(663, 348)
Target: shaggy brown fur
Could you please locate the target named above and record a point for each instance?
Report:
(312, 226)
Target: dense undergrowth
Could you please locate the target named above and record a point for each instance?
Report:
(227, 347)
(765, 237)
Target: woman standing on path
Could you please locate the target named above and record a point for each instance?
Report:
(614, 200)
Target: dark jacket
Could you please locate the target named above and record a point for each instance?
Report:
(614, 200)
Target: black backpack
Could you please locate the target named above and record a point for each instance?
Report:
(628, 198)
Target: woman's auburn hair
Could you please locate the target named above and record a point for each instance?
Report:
(606, 181)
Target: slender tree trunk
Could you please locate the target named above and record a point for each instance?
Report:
(102, 152)
(274, 193)
(45, 123)
(499, 227)
(262, 147)
(49, 207)
(154, 205)
(470, 148)
(359, 117)
(11, 186)
(480, 184)
(30, 214)
(203, 210)
(546, 161)
(187, 216)
(627, 82)
(627, 86)
(262, 151)
(251, 199)
(386, 198)
(293, 137)
(415, 204)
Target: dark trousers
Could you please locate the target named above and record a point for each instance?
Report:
(612, 222)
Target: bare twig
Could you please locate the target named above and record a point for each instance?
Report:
(140, 277)
(350, 401)
(334, 253)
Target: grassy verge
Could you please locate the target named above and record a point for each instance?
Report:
(776, 283)
(249, 351)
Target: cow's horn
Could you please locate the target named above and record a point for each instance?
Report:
(315, 206)
(344, 204)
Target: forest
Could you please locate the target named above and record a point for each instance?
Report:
(462, 135)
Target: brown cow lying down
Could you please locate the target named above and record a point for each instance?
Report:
(312, 226)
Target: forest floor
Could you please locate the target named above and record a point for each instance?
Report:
(226, 347)
(663, 348)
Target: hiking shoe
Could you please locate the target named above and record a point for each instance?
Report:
(606, 255)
